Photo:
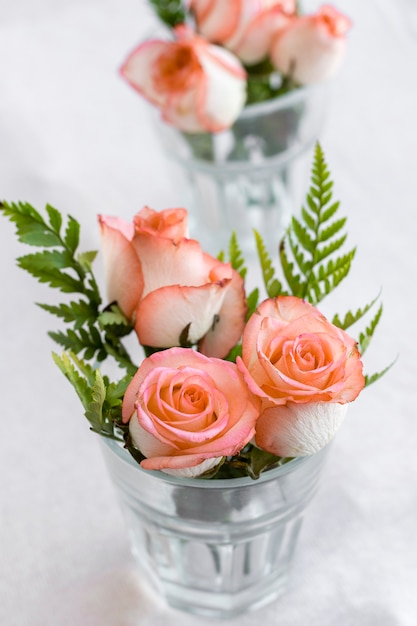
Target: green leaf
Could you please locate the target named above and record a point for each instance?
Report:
(252, 301)
(30, 226)
(85, 259)
(332, 230)
(273, 286)
(370, 379)
(351, 318)
(365, 337)
(55, 218)
(79, 383)
(171, 12)
(82, 340)
(94, 411)
(78, 313)
(72, 234)
(45, 266)
(236, 257)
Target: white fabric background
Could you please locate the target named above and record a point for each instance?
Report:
(74, 135)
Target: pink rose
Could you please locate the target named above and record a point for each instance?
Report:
(304, 369)
(197, 86)
(311, 48)
(292, 353)
(187, 411)
(245, 27)
(172, 291)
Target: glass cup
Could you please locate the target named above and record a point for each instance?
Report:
(240, 179)
(214, 547)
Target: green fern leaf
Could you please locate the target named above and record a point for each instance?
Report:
(30, 226)
(351, 318)
(252, 301)
(301, 234)
(85, 259)
(78, 313)
(94, 411)
(331, 230)
(273, 286)
(236, 257)
(331, 248)
(72, 234)
(79, 383)
(308, 219)
(55, 218)
(115, 391)
(303, 264)
(45, 267)
(370, 379)
(293, 279)
(81, 340)
(365, 337)
(328, 213)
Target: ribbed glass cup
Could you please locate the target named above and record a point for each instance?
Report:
(240, 179)
(214, 547)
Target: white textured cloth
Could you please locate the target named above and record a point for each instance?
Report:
(74, 135)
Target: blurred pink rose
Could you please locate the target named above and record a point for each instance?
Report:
(172, 291)
(245, 27)
(292, 353)
(197, 86)
(187, 411)
(311, 48)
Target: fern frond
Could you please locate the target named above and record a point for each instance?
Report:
(314, 238)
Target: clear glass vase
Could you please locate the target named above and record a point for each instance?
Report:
(214, 547)
(240, 179)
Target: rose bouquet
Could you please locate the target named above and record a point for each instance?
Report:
(227, 387)
(218, 56)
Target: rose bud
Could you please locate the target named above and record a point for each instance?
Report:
(310, 49)
(245, 27)
(173, 292)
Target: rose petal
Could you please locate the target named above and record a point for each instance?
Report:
(298, 429)
(223, 96)
(122, 267)
(227, 331)
(169, 223)
(176, 315)
(137, 69)
(217, 20)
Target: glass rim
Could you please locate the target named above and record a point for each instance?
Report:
(221, 483)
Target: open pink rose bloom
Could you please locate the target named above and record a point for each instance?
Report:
(187, 411)
(304, 369)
